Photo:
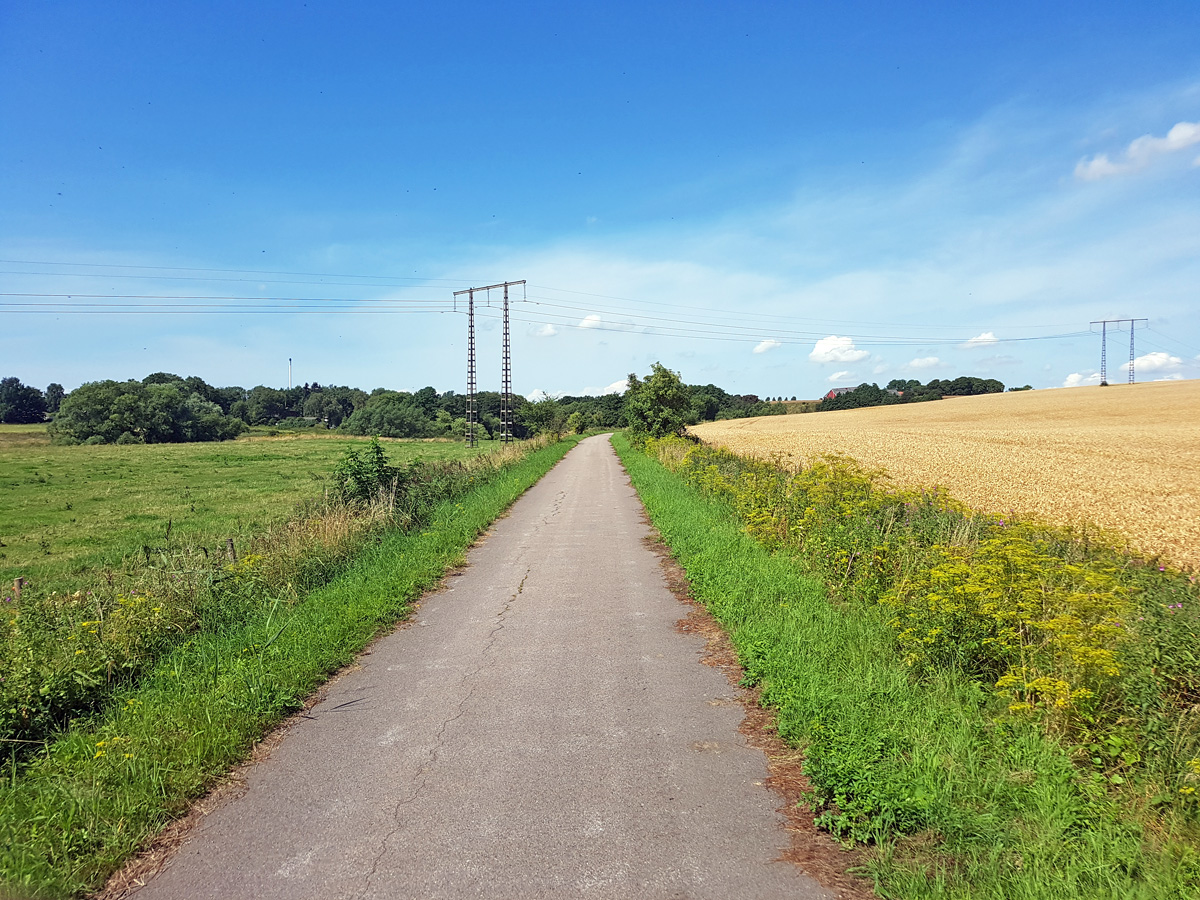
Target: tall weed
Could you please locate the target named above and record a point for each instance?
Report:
(1077, 635)
(65, 654)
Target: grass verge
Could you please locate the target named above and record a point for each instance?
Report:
(959, 798)
(66, 512)
(71, 816)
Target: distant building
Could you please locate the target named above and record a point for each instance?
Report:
(837, 392)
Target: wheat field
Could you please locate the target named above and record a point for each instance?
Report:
(1125, 457)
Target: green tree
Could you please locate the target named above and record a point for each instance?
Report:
(20, 403)
(54, 396)
(135, 412)
(543, 417)
(390, 414)
(265, 405)
(659, 405)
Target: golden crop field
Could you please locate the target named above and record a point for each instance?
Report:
(1125, 457)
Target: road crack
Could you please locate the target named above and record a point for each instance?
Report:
(431, 759)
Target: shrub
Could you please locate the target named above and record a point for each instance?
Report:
(658, 406)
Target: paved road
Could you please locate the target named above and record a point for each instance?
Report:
(541, 730)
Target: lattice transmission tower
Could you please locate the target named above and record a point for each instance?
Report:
(506, 398)
(1104, 323)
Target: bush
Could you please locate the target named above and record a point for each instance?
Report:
(106, 412)
(363, 475)
(659, 406)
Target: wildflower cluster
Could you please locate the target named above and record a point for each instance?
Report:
(1062, 622)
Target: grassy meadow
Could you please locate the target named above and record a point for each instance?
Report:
(68, 513)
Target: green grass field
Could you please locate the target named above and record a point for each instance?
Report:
(67, 513)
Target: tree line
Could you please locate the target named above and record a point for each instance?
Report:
(166, 408)
(899, 390)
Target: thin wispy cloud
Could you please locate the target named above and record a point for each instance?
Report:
(1140, 153)
(764, 346)
(592, 321)
(544, 331)
(839, 376)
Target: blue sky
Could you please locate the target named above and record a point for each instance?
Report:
(775, 197)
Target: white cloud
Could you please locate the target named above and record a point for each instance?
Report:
(880, 369)
(617, 387)
(836, 349)
(546, 330)
(1154, 362)
(1140, 153)
(839, 376)
(1099, 166)
(1076, 379)
(980, 340)
(925, 362)
(764, 346)
(594, 321)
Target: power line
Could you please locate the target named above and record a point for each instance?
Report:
(761, 332)
(244, 311)
(553, 319)
(43, 262)
(555, 311)
(1188, 348)
(778, 315)
(209, 279)
(365, 280)
(446, 303)
(160, 304)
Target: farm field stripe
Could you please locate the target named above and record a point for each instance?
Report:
(73, 816)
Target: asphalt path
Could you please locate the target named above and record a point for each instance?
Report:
(539, 729)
